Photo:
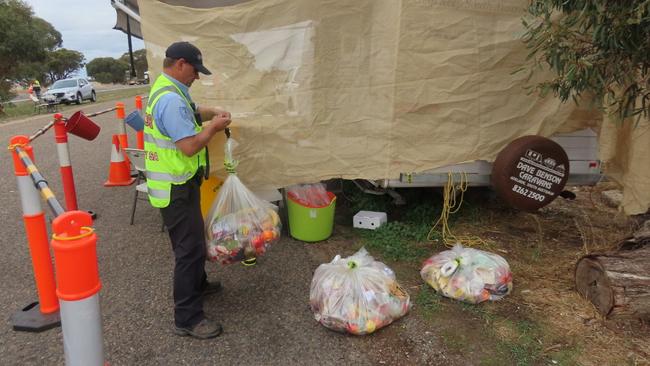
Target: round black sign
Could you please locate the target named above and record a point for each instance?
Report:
(530, 172)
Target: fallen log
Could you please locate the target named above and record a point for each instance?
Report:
(618, 283)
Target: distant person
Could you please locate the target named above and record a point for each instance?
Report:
(176, 162)
(36, 87)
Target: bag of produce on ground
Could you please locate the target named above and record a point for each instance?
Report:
(240, 226)
(356, 294)
(467, 274)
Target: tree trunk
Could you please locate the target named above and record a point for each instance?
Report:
(617, 283)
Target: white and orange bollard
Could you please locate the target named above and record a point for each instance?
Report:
(75, 253)
(44, 314)
(119, 173)
(67, 178)
(139, 134)
(121, 130)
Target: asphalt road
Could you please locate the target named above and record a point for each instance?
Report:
(264, 309)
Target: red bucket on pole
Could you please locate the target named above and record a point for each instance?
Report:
(80, 125)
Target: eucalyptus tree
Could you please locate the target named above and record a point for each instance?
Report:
(599, 48)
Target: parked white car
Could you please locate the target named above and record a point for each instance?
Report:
(70, 90)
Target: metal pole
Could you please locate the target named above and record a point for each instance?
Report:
(67, 178)
(40, 182)
(101, 112)
(75, 251)
(45, 128)
(43, 314)
(128, 33)
(41, 131)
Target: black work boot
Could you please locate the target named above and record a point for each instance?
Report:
(205, 329)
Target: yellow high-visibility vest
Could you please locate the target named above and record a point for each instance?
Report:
(165, 163)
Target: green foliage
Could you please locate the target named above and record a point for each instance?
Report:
(27, 72)
(428, 300)
(421, 215)
(104, 77)
(62, 63)
(139, 62)
(360, 201)
(404, 237)
(594, 47)
(525, 350)
(24, 38)
(107, 69)
(478, 310)
(398, 241)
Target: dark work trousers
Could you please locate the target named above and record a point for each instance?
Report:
(185, 225)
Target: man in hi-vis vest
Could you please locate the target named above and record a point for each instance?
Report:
(175, 159)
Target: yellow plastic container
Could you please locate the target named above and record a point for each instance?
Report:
(311, 224)
(209, 191)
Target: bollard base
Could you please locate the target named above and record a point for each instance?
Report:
(30, 319)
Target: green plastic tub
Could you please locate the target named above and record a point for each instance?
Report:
(311, 223)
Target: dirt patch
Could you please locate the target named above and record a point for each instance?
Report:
(543, 321)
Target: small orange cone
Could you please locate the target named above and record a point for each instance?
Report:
(119, 173)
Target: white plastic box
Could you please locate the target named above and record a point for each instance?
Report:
(369, 219)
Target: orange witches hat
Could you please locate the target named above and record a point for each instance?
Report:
(119, 173)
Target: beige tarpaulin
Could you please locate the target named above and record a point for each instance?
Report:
(362, 89)
(625, 149)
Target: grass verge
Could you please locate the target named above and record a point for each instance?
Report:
(13, 111)
(492, 337)
(501, 333)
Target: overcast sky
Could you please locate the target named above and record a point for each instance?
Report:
(85, 26)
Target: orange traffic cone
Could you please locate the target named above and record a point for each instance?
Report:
(119, 173)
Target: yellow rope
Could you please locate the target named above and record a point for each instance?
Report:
(450, 206)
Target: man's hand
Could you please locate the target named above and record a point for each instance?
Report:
(220, 121)
(208, 113)
(193, 144)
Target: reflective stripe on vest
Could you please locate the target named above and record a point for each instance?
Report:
(165, 163)
(160, 194)
(158, 92)
(163, 144)
(178, 179)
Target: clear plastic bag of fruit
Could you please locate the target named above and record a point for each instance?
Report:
(357, 294)
(467, 274)
(240, 226)
(310, 195)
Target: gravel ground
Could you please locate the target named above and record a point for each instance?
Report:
(264, 309)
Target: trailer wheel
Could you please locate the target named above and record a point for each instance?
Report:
(530, 172)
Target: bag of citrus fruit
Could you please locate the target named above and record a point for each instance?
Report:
(357, 294)
(240, 226)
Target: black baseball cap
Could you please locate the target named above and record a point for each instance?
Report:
(190, 53)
